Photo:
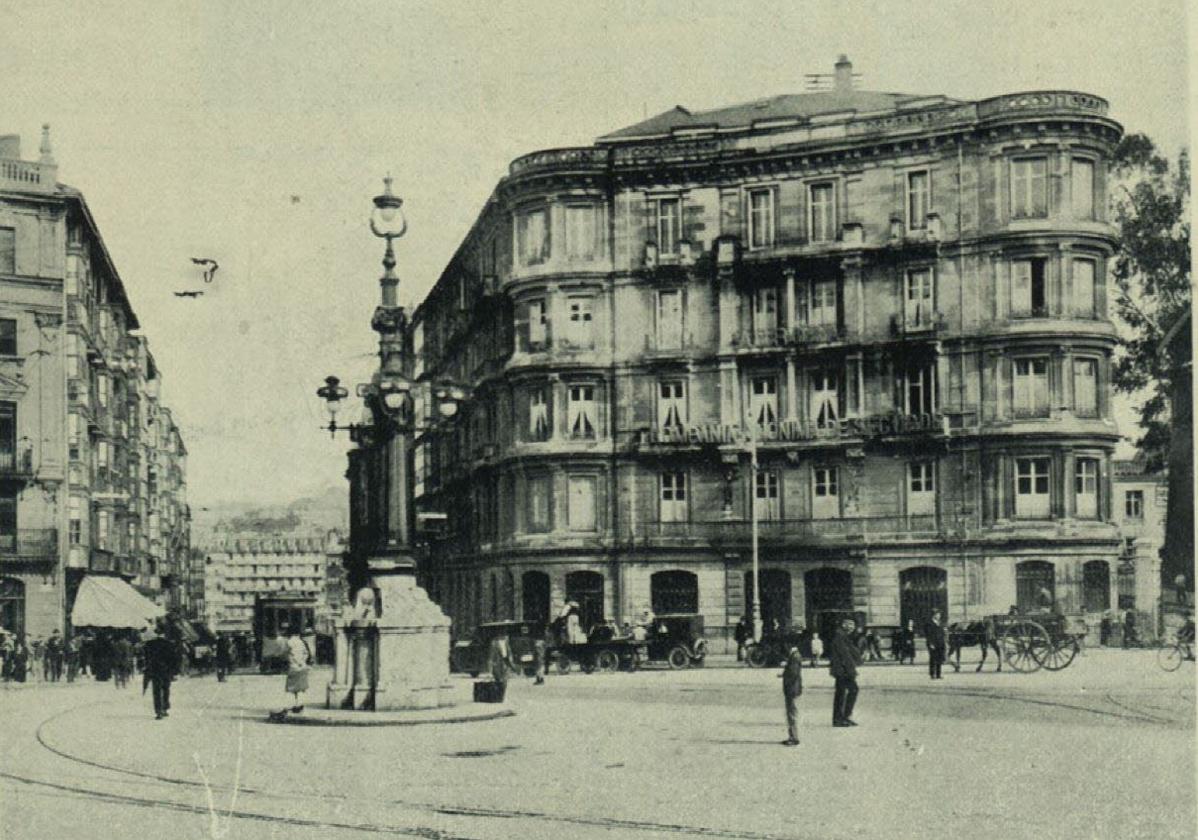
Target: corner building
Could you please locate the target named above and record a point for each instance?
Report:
(901, 298)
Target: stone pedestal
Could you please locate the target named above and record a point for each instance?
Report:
(392, 650)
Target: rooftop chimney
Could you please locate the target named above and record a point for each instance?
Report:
(844, 74)
(47, 156)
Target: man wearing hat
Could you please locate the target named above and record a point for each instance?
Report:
(843, 659)
(162, 663)
(792, 687)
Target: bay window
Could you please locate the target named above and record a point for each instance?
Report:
(1081, 183)
(579, 323)
(918, 199)
(1085, 487)
(763, 401)
(1085, 387)
(673, 497)
(921, 488)
(765, 495)
(1031, 387)
(761, 218)
(825, 492)
(671, 405)
(581, 418)
(1029, 187)
(1032, 488)
(582, 231)
(532, 236)
(822, 215)
(825, 399)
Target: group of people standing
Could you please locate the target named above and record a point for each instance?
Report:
(25, 659)
(844, 656)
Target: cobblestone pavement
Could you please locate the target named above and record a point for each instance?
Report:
(1103, 749)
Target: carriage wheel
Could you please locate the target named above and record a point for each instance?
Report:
(755, 656)
(1022, 645)
(607, 661)
(562, 663)
(678, 657)
(1059, 654)
(1169, 657)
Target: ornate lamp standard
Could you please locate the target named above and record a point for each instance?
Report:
(392, 646)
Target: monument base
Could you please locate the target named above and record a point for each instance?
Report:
(393, 654)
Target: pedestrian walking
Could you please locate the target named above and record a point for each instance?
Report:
(903, 643)
(73, 657)
(741, 634)
(1129, 629)
(539, 652)
(20, 658)
(54, 656)
(122, 661)
(162, 663)
(933, 634)
(224, 657)
(843, 659)
(792, 687)
(1104, 630)
(299, 657)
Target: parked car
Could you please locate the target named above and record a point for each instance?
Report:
(678, 640)
(469, 656)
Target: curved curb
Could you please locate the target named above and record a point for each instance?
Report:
(315, 718)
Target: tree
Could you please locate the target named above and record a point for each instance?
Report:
(1150, 205)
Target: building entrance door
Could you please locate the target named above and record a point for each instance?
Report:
(586, 590)
(924, 589)
(775, 597)
(828, 591)
(534, 591)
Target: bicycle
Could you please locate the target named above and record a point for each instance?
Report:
(1170, 655)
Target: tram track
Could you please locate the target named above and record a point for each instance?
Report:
(603, 823)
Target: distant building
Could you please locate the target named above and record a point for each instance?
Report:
(902, 298)
(239, 569)
(1140, 504)
(92, 468)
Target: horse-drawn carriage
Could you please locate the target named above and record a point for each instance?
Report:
(1026, 642)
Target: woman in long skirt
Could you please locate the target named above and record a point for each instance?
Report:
(298, 659)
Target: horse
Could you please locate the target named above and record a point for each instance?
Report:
(982, 633)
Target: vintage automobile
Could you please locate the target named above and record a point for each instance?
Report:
(676, 640)
(469, 656)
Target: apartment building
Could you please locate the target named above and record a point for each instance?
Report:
(898, 301)
(78, 386)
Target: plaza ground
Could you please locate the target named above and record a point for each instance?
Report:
(1103, 749)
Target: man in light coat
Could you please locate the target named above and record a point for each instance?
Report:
(792, 688)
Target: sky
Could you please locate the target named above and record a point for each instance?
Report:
(256, 134)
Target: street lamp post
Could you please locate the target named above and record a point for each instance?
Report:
(392, 643)
(756, 616)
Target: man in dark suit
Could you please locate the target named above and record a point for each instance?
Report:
(934, 635)
(792, 687)
(843, 659)
(162, 662)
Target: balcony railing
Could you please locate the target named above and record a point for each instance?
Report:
(28, 544)
(28, 176)
(16, 463)
(787, 530)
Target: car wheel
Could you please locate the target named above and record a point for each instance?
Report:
(562, 663)
(755, 656)
(678, 657)
(607, 661)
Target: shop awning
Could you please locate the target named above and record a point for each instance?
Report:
(110, 602)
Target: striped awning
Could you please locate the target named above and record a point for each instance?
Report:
(110, 602)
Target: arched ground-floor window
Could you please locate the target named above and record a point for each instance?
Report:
(674, 591)
(922, 591)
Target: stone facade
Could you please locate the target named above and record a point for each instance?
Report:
(898, 301)
(92, 468)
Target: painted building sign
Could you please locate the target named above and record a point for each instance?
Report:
(876, 425)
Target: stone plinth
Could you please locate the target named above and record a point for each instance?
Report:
(392, 652)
